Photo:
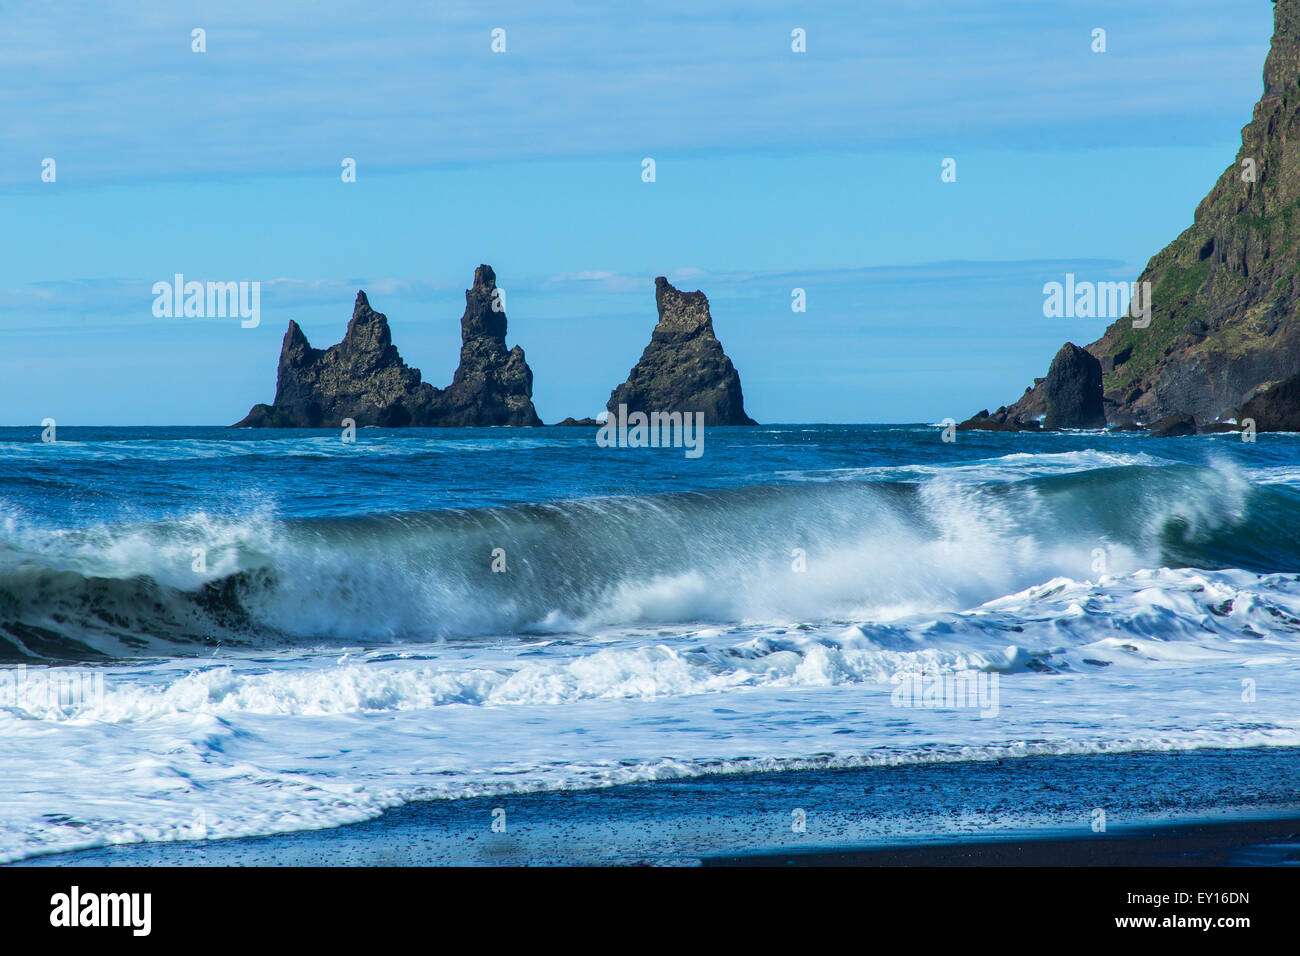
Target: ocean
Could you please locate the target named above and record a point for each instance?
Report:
(210, 633)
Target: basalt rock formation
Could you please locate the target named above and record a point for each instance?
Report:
(999, 421)
(1173, 426)
(364, 378)
(1070, 397)
(1276, 408)
(1223, 331)
(684, 368)
(1072, 393)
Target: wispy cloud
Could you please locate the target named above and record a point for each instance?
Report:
(113, 91)
(123, 297)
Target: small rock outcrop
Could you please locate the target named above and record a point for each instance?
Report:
(1216, 428)
(1000, 421)
(1173, 426)
(684, 368)
(578, 423)
(364, 378)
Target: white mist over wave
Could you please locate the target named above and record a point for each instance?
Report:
(815, 551)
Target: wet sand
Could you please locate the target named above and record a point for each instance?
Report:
(1204, 808)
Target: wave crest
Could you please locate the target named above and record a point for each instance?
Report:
(820, 552)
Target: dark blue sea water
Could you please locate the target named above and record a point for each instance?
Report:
(221, 632)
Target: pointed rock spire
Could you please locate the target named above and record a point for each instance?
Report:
(368, 332)
(684, 368)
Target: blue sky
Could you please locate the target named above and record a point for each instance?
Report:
(775, 170)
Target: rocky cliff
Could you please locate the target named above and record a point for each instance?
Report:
(1224, 294)
(364, 378)
(684, 368)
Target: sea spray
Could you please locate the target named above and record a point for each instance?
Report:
(872, 550)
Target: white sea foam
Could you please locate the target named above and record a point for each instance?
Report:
(1016, 466)
(1153, 659)
(323, 670)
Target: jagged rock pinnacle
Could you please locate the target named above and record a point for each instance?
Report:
(364, 378)
(684, 368)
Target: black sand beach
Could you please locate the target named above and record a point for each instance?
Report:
(1190, 808)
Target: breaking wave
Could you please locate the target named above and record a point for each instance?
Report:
(848, 551)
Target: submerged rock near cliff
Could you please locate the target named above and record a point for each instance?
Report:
(1224, 294)
(684, 368)
(364, 378)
